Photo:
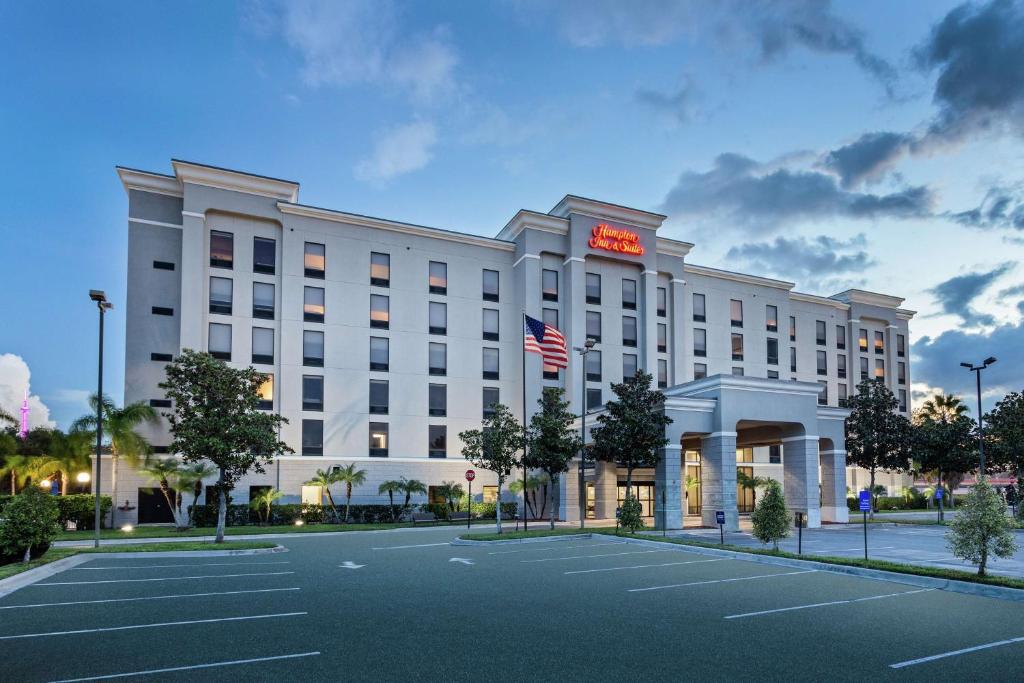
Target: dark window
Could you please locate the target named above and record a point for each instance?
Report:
(437, 400)
(629, 365)
(822, 363)
(490, 327)
(380, 269)
(163, 265)
(819, 332)
(379, 396)
(312, 392)
(737, 346)
(220, 295)
(737, 371)
(901, 345)
(490, 363)
(792, 328)
(698, 308)
(823, 394)
(313, 304)
(549, 316)
(594, 399)
(159, 403)
(263, 300)
(775, 454)
(593, 288)
(628, 330)
(662, 302)
(700, 370)
(594, 325)
(841, 393)
(162, 310)
(438, 277)
(490, 399)
(902, 393)
(262, 345)
(662, 373)
(314, 260)
(438, 359)
(379, 354)
(437, 443)
(380, 311)
(313, 348)
(841, 365)
(490, 285)
(773, 374)
(662, 338)
(312, 437)
(792, 359)
(629, 294)
(773, 351)
(862, 340)
(736, 312)
(264, 256)
(901, 372)
(222, 249)
(438, 318)
(840, 337)
(378, 439)
(863, 369)
(219, 342)
(549, 284)
(593, 366)
(771, 318)
(700, 342)
(163, 357)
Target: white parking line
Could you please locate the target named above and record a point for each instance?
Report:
(826, 604)
(644, 566)
(165, 578)
(954, 653)
(400, 547)
(561, 547)
(153, 597)
(826, 551)
(703, 583)
(150, 672)
(584, 557)
(168, 566)
(138, 626)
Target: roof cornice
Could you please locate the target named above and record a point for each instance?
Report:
(225, 179)
(904, 314)
(821, 300)
(737, 277)
(534, 220)
(145, 181)
(860, 296)
(663, 245)
(592, 207)
(777, 386)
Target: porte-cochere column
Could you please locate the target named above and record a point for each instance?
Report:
(718, 475)
(800, 477)
(833, 486)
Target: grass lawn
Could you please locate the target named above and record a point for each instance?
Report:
(55, 554)
(170, 532)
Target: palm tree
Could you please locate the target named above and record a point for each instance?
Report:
(119, 425)
(192, 476)
(451, 492)
(349, 476)
(752, 483)
(263, 500)
(533, 482)
(166, 471)
(390, 486)
(7, 417)
(67, 454)
(324, 479)
(19, 468)
(411, 486)
(943, 408)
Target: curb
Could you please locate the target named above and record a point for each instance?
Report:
(27, 578)
(516, 541)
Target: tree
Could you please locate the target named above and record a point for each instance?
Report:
(631, 430)
(552, 442)
(31, 521)
(10, 462)
(877, 437)
(165, 471)
(324, 479)
(6, 417)
(1004, 437)
(943, 407)
(216, 418)
(631, 514)
(119, 426)
(451, 492)
(389, 487)
(68, 453)
(349, 476)
(534, 482)
(945, 443)
(981, 528)
(495, 447)
(262, 501)
(411, 487)
(750, 483)
(770, 518)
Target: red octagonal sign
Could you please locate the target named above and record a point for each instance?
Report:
(470, 475)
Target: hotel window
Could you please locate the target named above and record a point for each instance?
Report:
(437, 443)
(737, 346)
(773, 374)
(841, 365)
(313, 304)
(662, 302)
(862, 340)
(775, 454)
(219, 343)
(823, 393)
(772, 351)
(662, 338)
(594, 325)
(901, 372)
(313, 392)
(628, 365)
(159, 403)
(312, 437)
(662, 373)
(378, 397)
(700, 342)
(819, 332)
(901, 345)
(549, 316)
(840, 337)
(700, 370)
(220, 295)
(437, 400)
(490, 320)
(438, 277)
(593, 366)
(792, 359)
(313, 348)
(263, 300)
(490, 285)
(438, 359)
(163, 357)
(490, 363)
(311, 495)
(314, 260)
(378, 439)
(792, 328)
(163, 265)
(438, 318)
(593, 288)
(879, 343)
(628, 330)
(490, 494)
(379, 354)
(736, 312)
(549, 284)
(737, 371)
(222, 249)
(262, 345)
(863, 369)
(629, 294)
(266, 393)
(593, 399)
(380, 269)
(264, 255)
(903, 400)
(841, 393)
(491, 397)
(822, 362)
(879, 369)
(771, 318)
(380, 311)
(698, 308)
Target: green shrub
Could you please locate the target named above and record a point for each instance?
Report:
(631, 514)
(30, 523)
(80, 508)
(770, 517)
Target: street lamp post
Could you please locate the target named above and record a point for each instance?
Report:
(976, 369)
(587, 347)
(103, 305)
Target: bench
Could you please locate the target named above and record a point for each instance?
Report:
(458, 517)
(418, 517)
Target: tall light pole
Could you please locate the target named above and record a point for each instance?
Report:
(587, 347)
(103, 305)
(976, 369)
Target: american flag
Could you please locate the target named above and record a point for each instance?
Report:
(545, 340)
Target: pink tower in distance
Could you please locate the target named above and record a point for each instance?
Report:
(24, 417)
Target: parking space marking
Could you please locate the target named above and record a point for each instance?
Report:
(169, 566)
(645, 566)
(402, 547)
(584, 557)
(559, 547)
(827, 604)
(153, 597)
(704, 583)
(150, 672)
(826, 551)
(954, 653)
(164, 578)
(47, 634)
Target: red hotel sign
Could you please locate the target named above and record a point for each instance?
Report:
(615, 239)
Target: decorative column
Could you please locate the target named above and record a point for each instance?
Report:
(890, 359)
(573, 325)
(194, 263)
(679, 337)
(800, 477)
(606, 490)
(649, 351)
(833, 486)
(718, 475)
(668, 486)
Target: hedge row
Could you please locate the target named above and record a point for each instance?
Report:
(79, 508)
(289, 513)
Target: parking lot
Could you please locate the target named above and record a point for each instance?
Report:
(406, 605)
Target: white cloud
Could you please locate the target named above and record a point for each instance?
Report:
(397, 151)
(14, 382)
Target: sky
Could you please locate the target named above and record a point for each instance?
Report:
(873, 144)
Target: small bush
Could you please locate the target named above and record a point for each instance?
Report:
(80, 508)
(631, 514)
(30, 522)
(770, 517)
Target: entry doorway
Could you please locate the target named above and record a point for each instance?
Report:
(744, 496)
(153, 508)
(644, 492)
(591, 509)
(692, 483)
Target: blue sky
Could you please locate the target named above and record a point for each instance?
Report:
(870, 144)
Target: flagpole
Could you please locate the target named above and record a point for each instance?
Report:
(525, 522)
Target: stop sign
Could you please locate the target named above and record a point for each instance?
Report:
(470, 475)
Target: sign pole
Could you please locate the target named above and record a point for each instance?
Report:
(938, 497)
(799, 533)
(470, 476)
(865, 534)
(865, 506)
(720, 520)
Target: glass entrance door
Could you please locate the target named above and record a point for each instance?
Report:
(744, 496)
(644, 492)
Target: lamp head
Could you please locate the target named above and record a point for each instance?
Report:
(966, 365)
(98, 296)
(989, 361)
(590, 343)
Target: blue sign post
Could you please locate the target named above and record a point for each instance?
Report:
(938, 499)
(865, 506)
(720, 520)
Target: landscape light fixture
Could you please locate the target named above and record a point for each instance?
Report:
(83, 478)
(976, 369)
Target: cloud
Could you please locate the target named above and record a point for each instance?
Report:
(1015, 291)
(14, 382)
(936, 360)
(867, 158)
(813, 261)
(679, 104)
(398, 151)
(746, 192)
(1001, 208)
(956, 294)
